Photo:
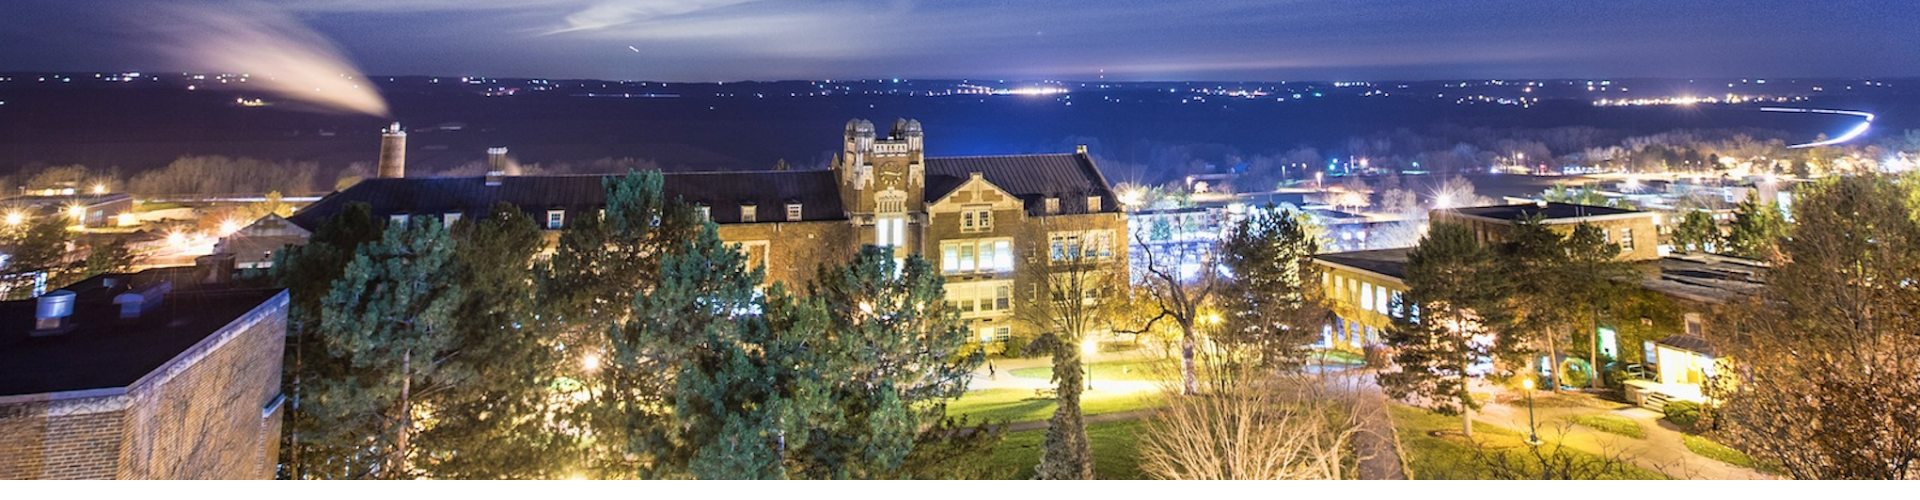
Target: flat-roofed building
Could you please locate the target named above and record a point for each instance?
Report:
(1637, 232)
(144, 376)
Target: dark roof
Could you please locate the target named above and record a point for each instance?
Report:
(1691, 343)
(1071, 177)
(1704, 277)
(1552, 211)
(768, 190)
(101, 352)
(1390, 262)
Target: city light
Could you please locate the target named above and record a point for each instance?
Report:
(229, 226)
(99, 189)
(15, 218)
(76, 211)
(590, 363)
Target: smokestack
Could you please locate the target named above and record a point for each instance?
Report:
(393, 152)
(496, 165)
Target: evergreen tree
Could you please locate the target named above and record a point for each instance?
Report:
(1593, 277)
(41, 248)
(1698, 232)
(1757, 229)
(1449, 276)
(495, 419)
(111, 257)
(1272, 300)
(893, 353)
(1532, 314)
(390, 318)
(308, 272)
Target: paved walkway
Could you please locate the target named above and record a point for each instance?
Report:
(1661, 452)
(1376, 443)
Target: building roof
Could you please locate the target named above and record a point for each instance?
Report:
(768, 190)
(1689, 343)
(1070, 177)
(1552, 211)
(1704, 277)
(1390, 262)
(102, 352)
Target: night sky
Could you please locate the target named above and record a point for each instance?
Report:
(708, 40)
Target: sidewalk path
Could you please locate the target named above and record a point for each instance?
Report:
(1662, 451)
(1376, 443)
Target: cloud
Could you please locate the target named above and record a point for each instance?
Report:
(604, 15)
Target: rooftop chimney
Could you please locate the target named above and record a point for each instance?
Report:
(51, 317)
(393, 152)
(213, 269)
(137, 302)
(496, 165)
(1080, 149)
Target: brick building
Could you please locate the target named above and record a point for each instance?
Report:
(971, 216)
(129, 377)
(1637, 232)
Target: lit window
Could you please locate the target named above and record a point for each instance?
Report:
(555, 218)
(706, 212)
(949, 257)
(1053, 205)
(1366, 296)
(793, 211)
(749, 213)
(1003, 255)
(966, 258)
(1626, 239)
(449, 219)
(400, 219)
(1093, 204)
(1380, 299)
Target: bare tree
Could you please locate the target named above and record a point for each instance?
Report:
(1177, 287)
(1255, 424)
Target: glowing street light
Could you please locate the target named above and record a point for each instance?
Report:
(15, 218)
(1533, 435)
(99, 189)
(76, 211)
(229, 226)
(591, 362)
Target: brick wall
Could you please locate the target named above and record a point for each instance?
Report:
(794, 250)
(207, 414)
(200, 416)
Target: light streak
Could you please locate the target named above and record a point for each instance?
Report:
(1850, 135)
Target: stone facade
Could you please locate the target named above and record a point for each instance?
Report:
(213, 412)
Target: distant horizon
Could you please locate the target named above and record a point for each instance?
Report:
(903, 79)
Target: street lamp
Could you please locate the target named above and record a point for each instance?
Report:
(1087, 348)
(1533, 435)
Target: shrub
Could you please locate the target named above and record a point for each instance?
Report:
(1015, 347)
(1683, 413)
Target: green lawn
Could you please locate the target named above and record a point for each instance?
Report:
(1114, 370)
(1611, 424)
(1449, 456)
(1115, 452)
(1707, 448)
(1020, 405)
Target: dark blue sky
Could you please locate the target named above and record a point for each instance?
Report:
(704, 40)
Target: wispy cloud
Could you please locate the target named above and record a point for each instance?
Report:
(282, 55)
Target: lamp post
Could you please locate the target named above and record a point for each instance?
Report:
(1533, 435)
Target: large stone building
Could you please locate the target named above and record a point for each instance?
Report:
(146, 376)
(971, 216)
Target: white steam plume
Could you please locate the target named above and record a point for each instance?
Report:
(279, 54)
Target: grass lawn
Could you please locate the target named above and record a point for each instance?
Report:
(1611, 424)
(1449, 456)
(1115, 452)
(1019, 405)
(1339, 356)
(1707, 448)
(1115, 370)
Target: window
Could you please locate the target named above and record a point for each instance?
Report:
(965, 256)
(400, 219)
(749, 213)
(1366, 296)
(449, 219)
(1380, 299)
(1626, 239)
(1093, 204)
(706, 212)
(995, 333)
(793, 212)
(1053, 205)
(973, 220)
(890, 202)
(757, 253)
(1694, 327)
(1080, 244)
(981, 298)
(1398, 308)
(555, 218)
(890, 231)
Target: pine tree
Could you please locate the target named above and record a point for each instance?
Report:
(1757, 229)
(1272, 299)
(1449, 277)
(893, 353)
(496, 417)
(390, 317)
(1698, 232)
(1593, 277)
(111, 257)
(41, 248)
(308, 272)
